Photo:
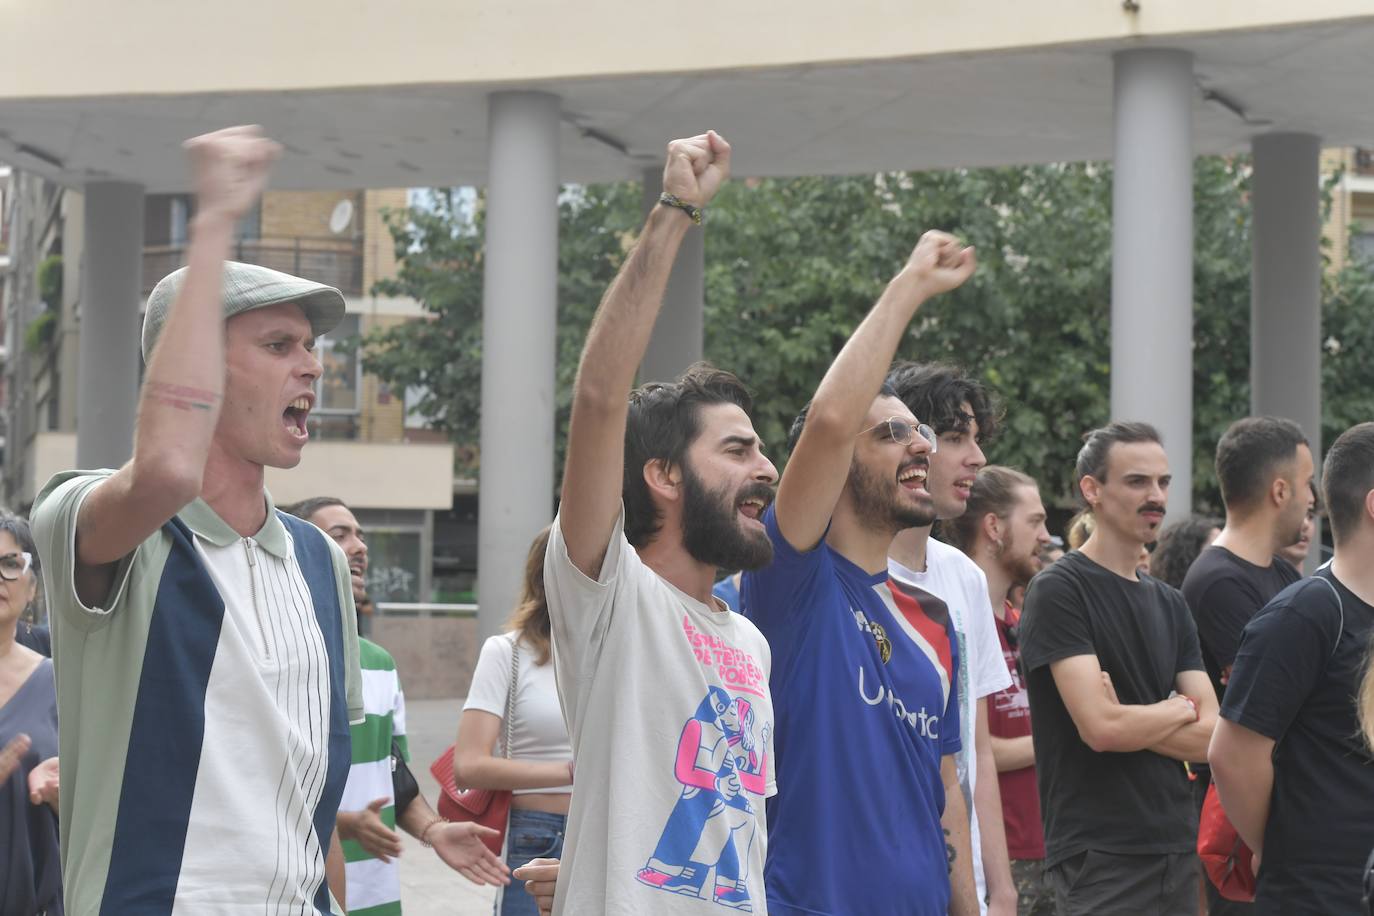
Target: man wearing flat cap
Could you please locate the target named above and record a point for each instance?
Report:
(206, 651)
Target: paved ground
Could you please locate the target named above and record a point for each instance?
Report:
(428, 886)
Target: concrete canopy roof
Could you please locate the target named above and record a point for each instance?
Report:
(978, 108)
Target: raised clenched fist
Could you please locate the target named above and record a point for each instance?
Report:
(230, 168)
(939, 263)
(696, 168)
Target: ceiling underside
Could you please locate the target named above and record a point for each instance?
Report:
(929, 113)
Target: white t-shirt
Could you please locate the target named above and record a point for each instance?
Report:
(537, 730)
(671, 720)
(954, 577)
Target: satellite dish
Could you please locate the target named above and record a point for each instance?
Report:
(342, 217)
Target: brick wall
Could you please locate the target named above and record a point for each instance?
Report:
(304, 214)
(1337, 228)
(435, 656)
(379, 253)
(383, 407)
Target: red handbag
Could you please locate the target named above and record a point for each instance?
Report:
(1228, 861)
(488, 807)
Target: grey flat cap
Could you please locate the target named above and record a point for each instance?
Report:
(248, 287)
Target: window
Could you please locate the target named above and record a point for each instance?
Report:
(340, 383)
(249, 228)
(178, 219)
(393, 565)
(413, 396)
(1362, 244)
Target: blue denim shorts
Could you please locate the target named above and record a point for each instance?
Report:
(531, 835)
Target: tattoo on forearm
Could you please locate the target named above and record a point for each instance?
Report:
(949, 851)
(180, 396)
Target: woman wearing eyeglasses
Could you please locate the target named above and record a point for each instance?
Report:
(30, 867)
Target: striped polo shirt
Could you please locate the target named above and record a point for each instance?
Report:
(204, 711)
(374, 886)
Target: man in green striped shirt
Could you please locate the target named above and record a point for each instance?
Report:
(367, 815)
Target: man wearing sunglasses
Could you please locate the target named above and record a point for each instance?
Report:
(863, 679)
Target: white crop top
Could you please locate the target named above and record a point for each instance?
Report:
(538, 732)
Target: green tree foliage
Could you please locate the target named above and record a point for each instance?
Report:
(439, 244)
(1348, 339)
(792, 265)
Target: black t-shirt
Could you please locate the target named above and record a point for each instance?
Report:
(1143, 636)
(1224, 592)
(1296, 677)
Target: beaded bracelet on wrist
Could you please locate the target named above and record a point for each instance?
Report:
(672, 200)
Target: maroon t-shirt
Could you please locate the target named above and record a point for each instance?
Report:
(1009, 717)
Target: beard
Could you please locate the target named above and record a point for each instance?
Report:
(879, 507)
(712, 534)
(1021, 565)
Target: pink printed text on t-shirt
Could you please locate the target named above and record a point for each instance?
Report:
(737, 669)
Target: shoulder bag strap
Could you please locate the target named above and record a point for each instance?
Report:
(1340, 606)
(510, 693)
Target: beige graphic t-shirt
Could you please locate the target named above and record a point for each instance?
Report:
(671, 723)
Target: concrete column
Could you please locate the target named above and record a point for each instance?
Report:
(677, 339)
(519, 319)
(1152, 255)
(107, 384)
(1285, 286)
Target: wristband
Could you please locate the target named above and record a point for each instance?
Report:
(672, 200)
(428, 827)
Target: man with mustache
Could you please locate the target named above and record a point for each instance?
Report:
(963, 416)
(662, 486)
(866, 669)
(1119, 697)
(1003, 531)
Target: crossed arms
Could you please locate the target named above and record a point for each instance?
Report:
(1171, 727)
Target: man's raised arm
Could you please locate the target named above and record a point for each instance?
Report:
(593, 474)
(180, 401)
(816, 472)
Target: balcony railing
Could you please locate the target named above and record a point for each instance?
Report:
(334, 262)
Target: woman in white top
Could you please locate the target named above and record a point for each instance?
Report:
(539, 769)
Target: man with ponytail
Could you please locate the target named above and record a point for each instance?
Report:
(1003, 532)
(1120, 823)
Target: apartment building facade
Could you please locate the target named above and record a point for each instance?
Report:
(367, 447)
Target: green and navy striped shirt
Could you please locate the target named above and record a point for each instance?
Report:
(374, 886)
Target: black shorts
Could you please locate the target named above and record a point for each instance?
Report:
(1097, 883)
